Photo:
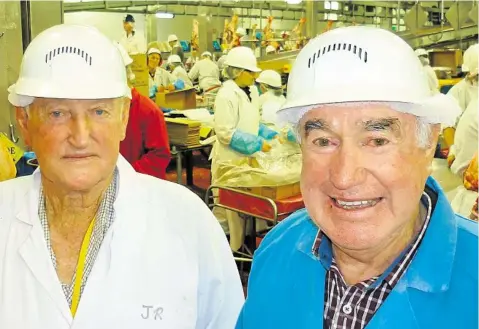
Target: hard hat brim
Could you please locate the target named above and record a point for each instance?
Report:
(78, 90)
(436, 109)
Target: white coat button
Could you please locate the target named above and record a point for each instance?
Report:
(347, 309)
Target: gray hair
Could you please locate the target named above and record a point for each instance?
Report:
(231, 73)
(423, 133)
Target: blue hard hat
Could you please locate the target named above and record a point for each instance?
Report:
(129, 19)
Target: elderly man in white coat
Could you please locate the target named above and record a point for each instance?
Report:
(86, 242)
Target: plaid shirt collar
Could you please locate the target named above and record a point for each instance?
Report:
(322, 249)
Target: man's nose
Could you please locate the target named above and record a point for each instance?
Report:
(80, 132)
(346, 169)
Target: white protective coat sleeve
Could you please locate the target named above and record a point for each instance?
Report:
(226, 117)
(220, 305)
(432, 79)
(194, 72)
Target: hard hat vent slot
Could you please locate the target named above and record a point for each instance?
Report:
(360, 52)
(68, 50)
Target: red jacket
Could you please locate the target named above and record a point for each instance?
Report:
(146, 146)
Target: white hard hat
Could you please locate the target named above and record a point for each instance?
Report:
(70, 62)
(154, 51)
(470, 59)
(361, 64)
(270, 49)
(421, 52)
(241, 31)
(243, 58)
(127, 60)
(270, 78)
(206, 53)
(172, 37)
(174, 59)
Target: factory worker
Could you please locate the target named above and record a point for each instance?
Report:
(237, 126)
(240, 34)
(158, 76)
(86, 241)
(178, 71)
(465, 198)
(175, 46)
(432, 80)
(378, 245)
(270, 87)
(465, 139)
(7, 166)
(221, 60)
(133, 42)
(465, 90)
(206, 71)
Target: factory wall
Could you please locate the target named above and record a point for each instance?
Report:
(110, 24)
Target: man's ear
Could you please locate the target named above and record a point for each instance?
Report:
(22, 121)
(125, 116)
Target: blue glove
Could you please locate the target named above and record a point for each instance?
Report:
(291, 136)
(245, 143)
(179, 84)
(266, 132)
(153, 91)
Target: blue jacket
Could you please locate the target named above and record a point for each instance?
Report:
(438, 291)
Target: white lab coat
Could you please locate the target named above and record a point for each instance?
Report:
(207, 73)
(162, 78)
(465, 139)
(270, 98)
(233, 110)
(463, 92)
(134, 43)
(221, 62)
(432, 80)
(180, 73)
(164, 250)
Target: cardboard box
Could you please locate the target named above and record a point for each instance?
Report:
(274, 192)
(140, 70)
(179, 100)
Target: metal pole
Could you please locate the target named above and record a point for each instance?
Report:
(311, 18)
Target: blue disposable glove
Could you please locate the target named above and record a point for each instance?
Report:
(245, 143)
(153, 91)
(179, 84)
(291, 136)
(266, 132)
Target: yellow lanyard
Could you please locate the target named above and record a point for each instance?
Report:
(81, 268)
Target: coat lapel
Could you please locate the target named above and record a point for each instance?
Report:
(34, 252)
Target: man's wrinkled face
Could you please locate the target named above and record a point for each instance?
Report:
(363, 172)
(76, 141)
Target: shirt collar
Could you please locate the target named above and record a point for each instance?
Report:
(431, 268)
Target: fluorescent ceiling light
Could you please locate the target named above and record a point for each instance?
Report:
(164, 15)
(293, 2)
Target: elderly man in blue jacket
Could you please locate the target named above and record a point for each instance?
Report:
(378, 245)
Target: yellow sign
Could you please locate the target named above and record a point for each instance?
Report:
(12, 148)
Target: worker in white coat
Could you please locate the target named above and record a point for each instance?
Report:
(178, 71)
(133, 42)
(206, 71)
(175, 47)
(237, 126)
(431, 77)
(464, 91)
(86, 241)
(158, 76)
(271, 90)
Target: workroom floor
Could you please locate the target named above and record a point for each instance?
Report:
(201, 174)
